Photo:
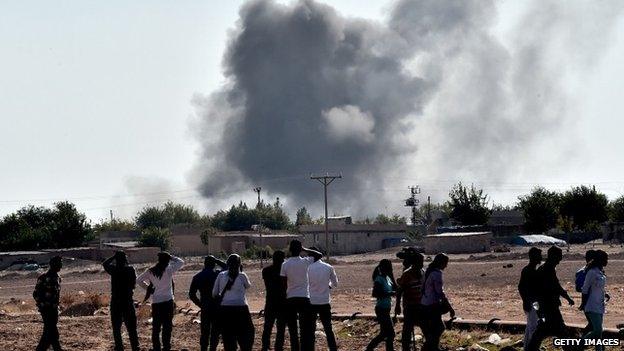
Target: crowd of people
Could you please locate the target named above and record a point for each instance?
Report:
(298, 290)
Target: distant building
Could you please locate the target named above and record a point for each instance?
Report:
(613, 231)
(237, 242)
(348, 238)
(455, 243)
(7, 259)
(114, 236)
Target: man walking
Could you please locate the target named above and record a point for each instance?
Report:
(528, 288)
(204, 282)
(549, 293)
(274, 309)
(294, 275)
(322, 277)
(123, 282)
(410, 288)
(47, 293)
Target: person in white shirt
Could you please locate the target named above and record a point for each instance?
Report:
(230, 289)
(594, 295)
(294, 275)
(161, 279)
(322, 278)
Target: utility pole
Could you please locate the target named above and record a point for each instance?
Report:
(326, 180)
(413, 202)
(258, 189)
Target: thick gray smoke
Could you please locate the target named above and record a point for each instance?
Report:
(429, 94)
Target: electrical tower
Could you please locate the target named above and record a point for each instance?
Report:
(413, 202)
(326, 180)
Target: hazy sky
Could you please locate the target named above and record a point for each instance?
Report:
(96, 102)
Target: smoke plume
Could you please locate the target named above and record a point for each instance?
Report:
(430, 93)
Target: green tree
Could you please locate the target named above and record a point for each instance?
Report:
(585, 206)
(32, 228)
(616, 210)
(394, 219)
(540, 209)
(155, 237)
(303, 217)
(114, 225)
(468, 205)
(167, 215)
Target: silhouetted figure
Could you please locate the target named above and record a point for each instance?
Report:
(274, 307)
(528, 288)
(204, 282)
(160, 277)
(549, 294)
(322, 278)
(410, 286)
(230, 288)
(594, 295)
(579, 280)
(435, 303)
(384, 288)
(123, 282)
(294, 274)
(47, 293)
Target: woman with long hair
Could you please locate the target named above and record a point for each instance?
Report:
(230, 290)
(160, 278)
(435, 303)
(594, 295)
(384, 288)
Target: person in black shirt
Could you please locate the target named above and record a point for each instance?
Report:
(548, 298)
(47, 293)
(274, 306)
(123, 282)
(203, 282)
(528, 289)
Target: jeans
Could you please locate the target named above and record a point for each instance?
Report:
(595, 320)
(238, 328)
(432, 329)
(50, 336)
(386, 330)
(531, 325)
(124, 313)
(274, 314)
(298, 310)
(162, 318)
(412, 317)
(210, 330)
(324, 314)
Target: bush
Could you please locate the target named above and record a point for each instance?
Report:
(155, 237)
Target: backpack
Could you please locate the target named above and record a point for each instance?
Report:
(579, 280)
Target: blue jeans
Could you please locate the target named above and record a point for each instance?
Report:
(595, 321)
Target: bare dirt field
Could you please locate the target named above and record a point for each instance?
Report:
(480, 287)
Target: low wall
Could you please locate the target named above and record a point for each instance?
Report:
(135, 254)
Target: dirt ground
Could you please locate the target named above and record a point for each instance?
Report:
(479, 286)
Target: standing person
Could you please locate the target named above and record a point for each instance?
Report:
(594, 295)
(160, 277)
(47, 293)
(410, 286)
(549, 294)
(579, 277)
(383, 290)
(528, 289)
(204, 282)
(274, 310)
(123, 282)
(322, 278)
(230, 288)
(435, 302)
(294, 275)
